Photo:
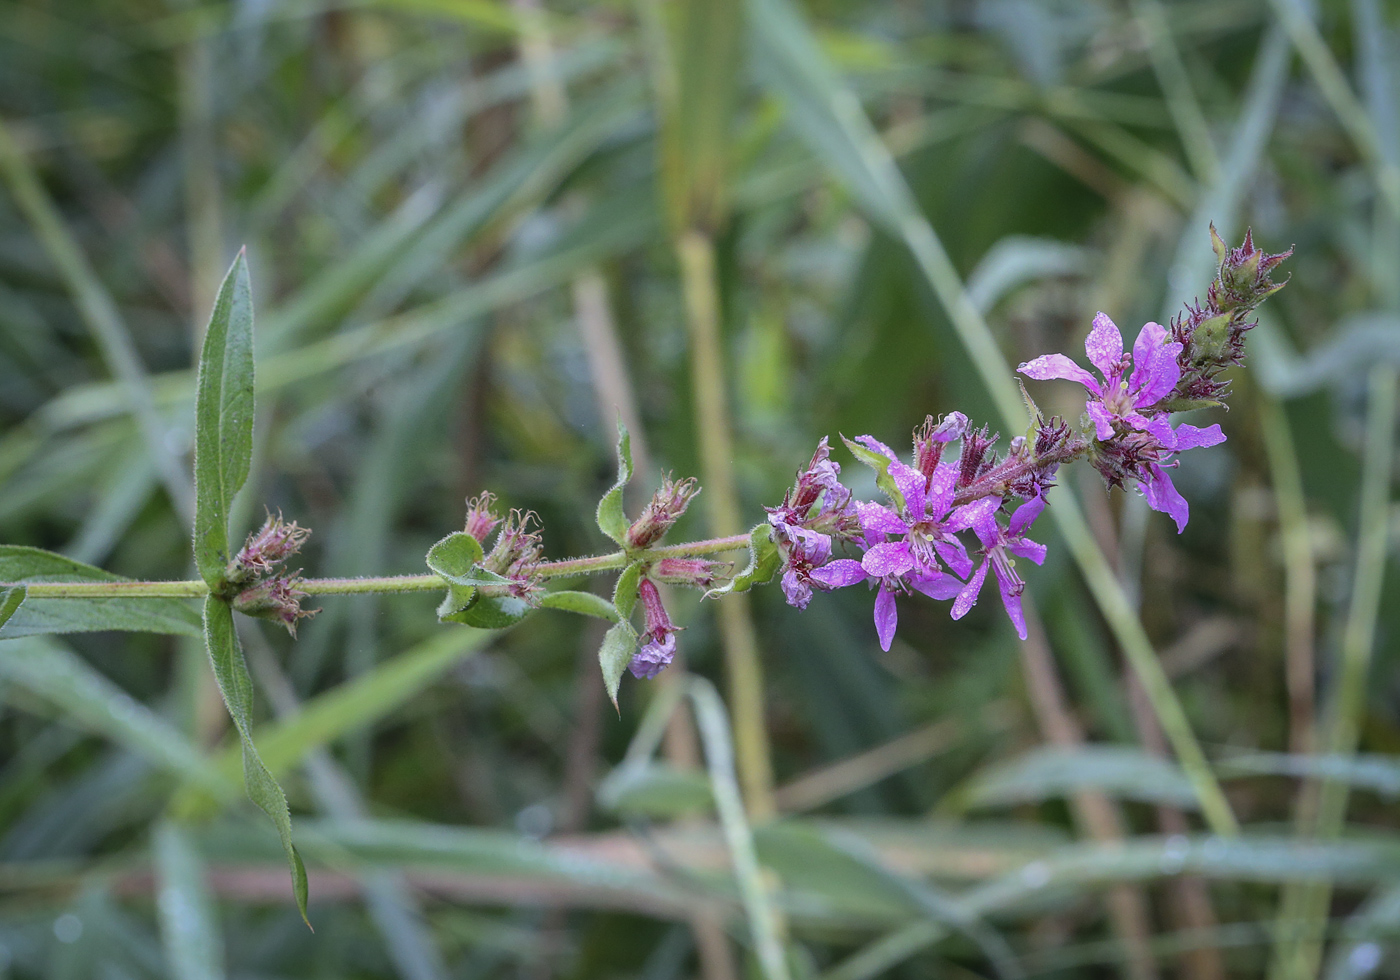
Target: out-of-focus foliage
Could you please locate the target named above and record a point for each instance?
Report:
(440, 200)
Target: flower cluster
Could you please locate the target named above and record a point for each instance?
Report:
(916, 541)
(265, 589)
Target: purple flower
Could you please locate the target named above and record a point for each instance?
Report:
(1135, 439)
(659, 648)
(815, 511)
(999, 544)
(904, 545)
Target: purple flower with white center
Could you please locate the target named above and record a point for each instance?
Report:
(999, 544)
(659, 646)
(1124, 404)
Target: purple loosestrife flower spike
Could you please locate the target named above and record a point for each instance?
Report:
(481, 519)
(664, 509)
(659, 640)
(1133, 431)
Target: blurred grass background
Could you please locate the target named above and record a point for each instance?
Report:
(479, 231)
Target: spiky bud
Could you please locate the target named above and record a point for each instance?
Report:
(663, 510)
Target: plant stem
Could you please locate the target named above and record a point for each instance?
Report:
(384, 584)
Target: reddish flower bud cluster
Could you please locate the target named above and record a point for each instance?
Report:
(516, 554)
(663, 510)
(266, 591)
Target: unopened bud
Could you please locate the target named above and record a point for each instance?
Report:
(933, 437)
(658, 647)
(272, 544)
(664, 509)
(699, 573)
(277, 599)
(481, 520)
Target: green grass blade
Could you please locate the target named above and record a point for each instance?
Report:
(189, 928)
(223, 436)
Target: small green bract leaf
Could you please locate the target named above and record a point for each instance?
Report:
(612, 520)
(615, 654)
(223, 423)
(455, 558)
(231, 672)
(881, 465)
(583, 603)
(625, 592)
(492, 612)
(20, 564)
(764, 562)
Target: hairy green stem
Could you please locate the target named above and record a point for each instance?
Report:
(385, 584)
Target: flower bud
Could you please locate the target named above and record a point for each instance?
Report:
(665, 508)
(277, 599)
(273, 543)
(516, 553)
(659, 640)
(933, 437)
(698, 573)
(481, 520)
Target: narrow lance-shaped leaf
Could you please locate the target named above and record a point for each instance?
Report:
(231, 672)
(583, 603)
(612, 520)
(625, 592)
(23, 615)
(223, 433)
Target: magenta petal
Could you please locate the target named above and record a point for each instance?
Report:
(840, 573)
(1011, 599)
(1049, 366)
(1104, 345)
(954, 555)
(875, 445)
(1190, 437)
(797, 592)
(891, 558)
(1149, 339)
(936, 586)
(911, 484)
(1162, 496)
(1025, 516)
(940, 489)
(879, 519)
(1158, 425)
(1102, 419)
(1159, 374)
(1026, 548)
(975, 514)
(967, 596)
(886, 617)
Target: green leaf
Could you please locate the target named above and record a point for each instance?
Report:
(764, 562)
(625, 592)
(493, 612)
(615, 654)
(85, 698)
(583, 603)
(612, 520)
(189, 927)
(223, 433)
(231, 672)
(880, 463)
(28, 616)
(455, 558)
(1049, 772)
(655, 789)
(10, 601)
